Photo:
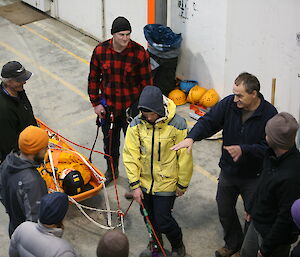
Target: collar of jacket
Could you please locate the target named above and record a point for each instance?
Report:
(277, 160)
(129, 46)
(258, 111)
(13, 98)
(58, 232)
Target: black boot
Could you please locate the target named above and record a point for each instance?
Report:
(178, 252)
(108, 173)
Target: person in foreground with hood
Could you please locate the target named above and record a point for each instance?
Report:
(44, 238)
(156, 174)
(21, 186)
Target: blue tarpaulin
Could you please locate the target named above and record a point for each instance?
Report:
(161, 37)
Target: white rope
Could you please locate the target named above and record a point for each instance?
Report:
(88, 217)
(100, 180)
(95, 209)
(122, 224)
(53, 169)
(103, 184)
(81, 207)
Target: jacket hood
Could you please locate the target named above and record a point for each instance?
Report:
(170, 111)
(152, 99)
(13, 163)
(170, 108)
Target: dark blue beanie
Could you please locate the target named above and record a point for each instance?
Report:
(53, 208)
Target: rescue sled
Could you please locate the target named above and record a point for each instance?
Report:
(66, 170)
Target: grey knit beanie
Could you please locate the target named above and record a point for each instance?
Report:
(151, 99)
(281, 131)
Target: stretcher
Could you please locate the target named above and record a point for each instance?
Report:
(62, 159)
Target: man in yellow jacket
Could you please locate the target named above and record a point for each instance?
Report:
(156, 174)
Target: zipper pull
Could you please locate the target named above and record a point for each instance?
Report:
(159, 145)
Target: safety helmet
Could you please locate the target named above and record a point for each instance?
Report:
(72, 181)
(195, 94)
(210, 98)
(187, 85)
(177, 96)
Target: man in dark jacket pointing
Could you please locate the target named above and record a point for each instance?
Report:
(243, 117)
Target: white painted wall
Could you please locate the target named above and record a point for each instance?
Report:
(84, 15)
(203, 27)
(221, 38)
(134, 10)
(88, 16)
(261, 39)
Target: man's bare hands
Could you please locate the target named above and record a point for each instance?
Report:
(179, 192)
(100, 111)
(138, 195)
(259, 254)
(247, 217)
(186, 143)
(235, 151)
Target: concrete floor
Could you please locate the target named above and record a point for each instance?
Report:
(58, 56)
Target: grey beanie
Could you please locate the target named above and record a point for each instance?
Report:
(152, 99)
(281, 131)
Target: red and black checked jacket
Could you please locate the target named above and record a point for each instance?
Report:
(119, 78)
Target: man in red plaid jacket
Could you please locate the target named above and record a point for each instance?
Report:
(119, 70)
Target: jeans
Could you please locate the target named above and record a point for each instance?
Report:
(159, 210)
(228, 192)
(253, 242)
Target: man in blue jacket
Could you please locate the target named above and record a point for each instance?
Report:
(243, 117)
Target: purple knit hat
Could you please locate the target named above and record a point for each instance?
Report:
(295, 210)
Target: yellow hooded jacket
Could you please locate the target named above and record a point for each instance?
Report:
(148, 160)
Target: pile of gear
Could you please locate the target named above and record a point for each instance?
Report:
(191, 92)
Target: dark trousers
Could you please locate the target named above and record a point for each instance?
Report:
(253, 242)
(119, 124)
(228, 192)
(159, 209)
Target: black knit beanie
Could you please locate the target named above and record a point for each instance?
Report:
(120, 24)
